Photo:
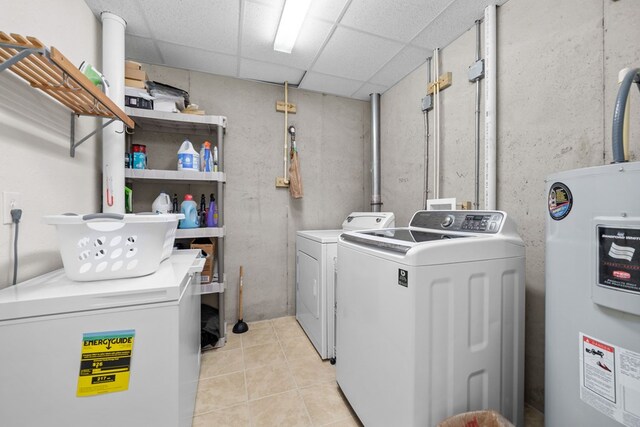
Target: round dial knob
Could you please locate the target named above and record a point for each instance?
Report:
(448, 221)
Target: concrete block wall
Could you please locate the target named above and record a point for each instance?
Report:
(557, 81)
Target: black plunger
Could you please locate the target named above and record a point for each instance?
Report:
(240, 327)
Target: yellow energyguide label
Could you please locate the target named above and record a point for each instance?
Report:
(105, 362)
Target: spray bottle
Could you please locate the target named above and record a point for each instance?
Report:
(215, 158)
(175, 204)
(206, 161)
(212, 213)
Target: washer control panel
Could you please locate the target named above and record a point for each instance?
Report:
(467, 221)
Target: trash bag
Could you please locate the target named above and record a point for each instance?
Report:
(209, 321)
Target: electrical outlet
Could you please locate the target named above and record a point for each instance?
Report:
(10, 200)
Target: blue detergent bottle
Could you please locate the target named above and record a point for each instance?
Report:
(212, 213)
(190, 211)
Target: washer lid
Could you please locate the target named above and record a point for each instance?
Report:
(396, 239)
(54, 293)
(368, 220)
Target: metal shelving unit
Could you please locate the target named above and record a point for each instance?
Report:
(176, 123)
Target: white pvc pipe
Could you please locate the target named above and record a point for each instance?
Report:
(490, 123)
(113, 137)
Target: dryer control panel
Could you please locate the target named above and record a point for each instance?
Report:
(467, 221)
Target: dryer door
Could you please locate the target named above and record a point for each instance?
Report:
(309, 296)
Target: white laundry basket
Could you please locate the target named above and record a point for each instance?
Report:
(113, 246)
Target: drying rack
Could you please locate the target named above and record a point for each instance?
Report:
(50, 71)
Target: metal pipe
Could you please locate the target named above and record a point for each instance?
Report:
(426, 143)
(490, 125)
(476, 202)
(436, 131)
(113, 141)
(619, 113)
(376, 198)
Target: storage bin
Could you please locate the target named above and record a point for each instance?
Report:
(113, 246)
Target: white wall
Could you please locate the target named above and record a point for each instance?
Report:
(34, 140)
(557, 80)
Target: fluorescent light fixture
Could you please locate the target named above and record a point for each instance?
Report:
(291, 21)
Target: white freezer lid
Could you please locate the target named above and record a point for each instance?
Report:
(321, 236)
(53, 293)
(369, 220)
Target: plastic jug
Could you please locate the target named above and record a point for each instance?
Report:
(190, 211)
(188, 158)
(162, 204)
(206, 159)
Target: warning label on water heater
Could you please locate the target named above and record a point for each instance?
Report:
(105, 362)
(619, 258)
(610, 379)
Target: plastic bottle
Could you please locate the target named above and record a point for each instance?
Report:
(215, 159)
(203, 211)
(188, 158)
(162, 204)
(175, 203)
(190, 211)
(212, 213)
(206, 160)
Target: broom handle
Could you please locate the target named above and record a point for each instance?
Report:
(240, 297)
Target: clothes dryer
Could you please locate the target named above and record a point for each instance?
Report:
(430, 319)
(315, 271)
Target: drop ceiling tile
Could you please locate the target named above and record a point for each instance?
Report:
(328, 10)
(209, 25)
(126, 9)
(142, 50)
(259, 30)
(397, 20)
(355, 55)
(400, 65)
(330, 84)
(190, 58)
(256, 70)
(367, 89)
(452, 23)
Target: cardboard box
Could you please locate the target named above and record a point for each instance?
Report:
(132, 74)
(134, 83)
(132, 65)
(208, 246)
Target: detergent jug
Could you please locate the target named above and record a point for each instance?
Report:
(162, 204)
(188, 158)
(190, 211)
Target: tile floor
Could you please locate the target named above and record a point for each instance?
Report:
(272, 376)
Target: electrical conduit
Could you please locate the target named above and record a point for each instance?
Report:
(490, 123)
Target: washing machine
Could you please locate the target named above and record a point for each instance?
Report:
(592, 297)
(315, 274)
(430, 319)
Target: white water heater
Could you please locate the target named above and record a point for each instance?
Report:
(592, 354)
